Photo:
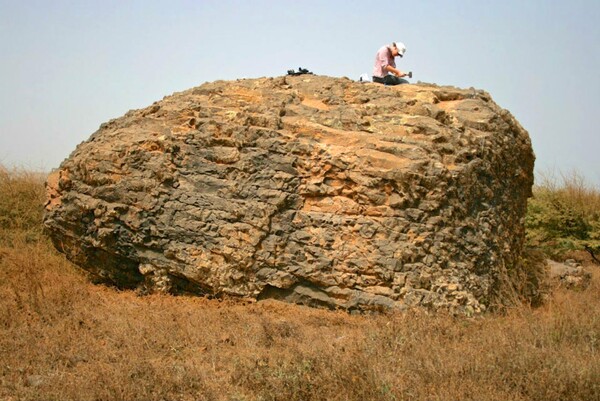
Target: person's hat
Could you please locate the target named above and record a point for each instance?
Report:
(401, 48)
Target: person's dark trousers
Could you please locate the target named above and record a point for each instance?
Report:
(390, 80)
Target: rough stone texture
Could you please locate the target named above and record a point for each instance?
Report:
(309, 189)
(570, 274)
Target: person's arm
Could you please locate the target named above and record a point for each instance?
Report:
(395, 71)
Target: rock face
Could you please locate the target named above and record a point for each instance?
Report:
(309, 189)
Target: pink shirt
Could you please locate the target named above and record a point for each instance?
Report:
(383, 58)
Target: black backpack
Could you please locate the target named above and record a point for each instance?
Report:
(301, 71)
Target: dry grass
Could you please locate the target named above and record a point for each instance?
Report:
(21, 197)
(62, 338)
(573, 187)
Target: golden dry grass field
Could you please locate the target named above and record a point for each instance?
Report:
(63, 338)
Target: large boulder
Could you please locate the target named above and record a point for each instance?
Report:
(310, 189)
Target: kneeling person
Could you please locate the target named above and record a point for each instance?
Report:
(385, 71)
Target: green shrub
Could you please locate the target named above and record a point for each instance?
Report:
(564, 217)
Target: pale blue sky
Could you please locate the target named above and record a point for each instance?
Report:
(68, 66)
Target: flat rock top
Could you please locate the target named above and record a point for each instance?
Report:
(389, 127)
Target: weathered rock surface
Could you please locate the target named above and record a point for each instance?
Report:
(570, 274)
(310, 189)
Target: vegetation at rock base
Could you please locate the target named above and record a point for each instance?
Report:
(62, 338)
(564, 215)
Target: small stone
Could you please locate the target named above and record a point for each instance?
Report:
(35, 380)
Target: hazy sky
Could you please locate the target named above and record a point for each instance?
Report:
(68, 66)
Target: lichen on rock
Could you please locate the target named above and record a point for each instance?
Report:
(310, 189)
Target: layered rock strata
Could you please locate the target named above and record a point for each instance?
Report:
(309, 189)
